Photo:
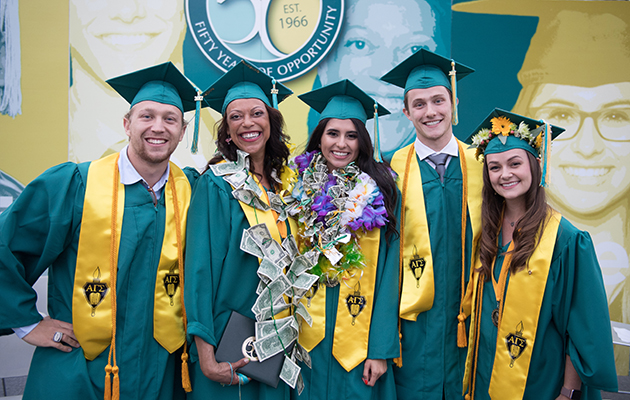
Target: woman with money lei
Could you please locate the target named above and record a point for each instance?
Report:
(540, 327)
(234, 196)
(347, 205)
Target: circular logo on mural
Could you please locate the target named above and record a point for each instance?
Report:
(283, 38)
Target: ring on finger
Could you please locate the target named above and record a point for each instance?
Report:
(57, 337)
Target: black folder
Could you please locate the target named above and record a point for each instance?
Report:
(239, 329)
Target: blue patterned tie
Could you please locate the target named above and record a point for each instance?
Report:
(440, 163)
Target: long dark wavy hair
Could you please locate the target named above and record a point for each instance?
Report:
(525, 236)
(380, 172)
(276, 149)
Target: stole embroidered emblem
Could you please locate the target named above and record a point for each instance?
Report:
(95, 291)
(516, 343)
(355, 302)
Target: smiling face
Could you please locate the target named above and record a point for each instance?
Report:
(114, 37)
(589, 172)
(431, 113)
(154, 131)
(248, 126)
(376, 37)
(339, 143)
(510, 174)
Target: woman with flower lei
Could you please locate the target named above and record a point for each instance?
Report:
(346, 205)
(540, 327)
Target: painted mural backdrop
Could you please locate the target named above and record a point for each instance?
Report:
(565, 61)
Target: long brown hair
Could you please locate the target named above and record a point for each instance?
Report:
(276, 150)
(525, 236)
(380, 172)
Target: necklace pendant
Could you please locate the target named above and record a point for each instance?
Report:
(495, 317)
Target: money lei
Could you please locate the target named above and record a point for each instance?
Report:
(333, 210)
(273, 336)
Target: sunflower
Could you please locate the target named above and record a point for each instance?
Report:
(501, 125)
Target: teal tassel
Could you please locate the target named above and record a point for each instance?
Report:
(195, 142)
(377, 139)
(274, 94)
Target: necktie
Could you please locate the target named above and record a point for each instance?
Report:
(439, 160)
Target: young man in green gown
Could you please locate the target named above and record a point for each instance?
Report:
(440, 182)
(116, 325)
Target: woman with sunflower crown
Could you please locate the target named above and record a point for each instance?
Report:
(540, 327)
(347, 205)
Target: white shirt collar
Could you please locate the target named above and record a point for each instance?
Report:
(129, 175)
(423, 151)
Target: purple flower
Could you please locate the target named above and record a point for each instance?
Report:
(370, 219)
(378, 200)
(332, 181)
(322, 206)
(304, 160)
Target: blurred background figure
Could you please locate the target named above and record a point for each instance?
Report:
(110, 38)
(10, 65)
(376, 36)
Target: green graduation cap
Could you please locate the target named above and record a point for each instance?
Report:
(503, 130)
(162, 83)
(425, 69)
(245, 81)
(345, 100)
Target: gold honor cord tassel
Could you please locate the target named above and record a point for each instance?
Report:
(453, 75)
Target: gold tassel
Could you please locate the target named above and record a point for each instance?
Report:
(461, 331)
(108, 382)
(398, 360)
(185, 375)
(116, 384)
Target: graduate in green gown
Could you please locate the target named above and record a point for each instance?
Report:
(99, 300)
(540, 327)
(220, 277)
(353, 337)
(440, 184)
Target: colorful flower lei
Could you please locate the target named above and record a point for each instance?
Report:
(502, 126)
(333, 210)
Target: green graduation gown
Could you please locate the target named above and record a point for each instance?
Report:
(433, 365)
(573, 320)
(41, 230)
(328, 379)
(220, 278)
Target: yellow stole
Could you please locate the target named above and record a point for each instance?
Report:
(350, 343)
(418, 289)
(518, 323)
(93, 300)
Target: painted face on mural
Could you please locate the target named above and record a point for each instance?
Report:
(590, 159)
(113, 37)
(378, 35)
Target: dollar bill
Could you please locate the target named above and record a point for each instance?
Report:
(266, 328)
(268, 270)
(261, 286)
(306, 358)
(302, 312)
(237, 179)
(249, 246)
(300, 265)
(250, 183)
(312, 255)
(290, 245)
(290, 372)
(231, 167)
(269, 312)
(271, 294)
(273, 344)
(249, 197)
(300, 384)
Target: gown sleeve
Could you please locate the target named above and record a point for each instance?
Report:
(383, 342)
(207, 243)
(588, 335)
(34, 231)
